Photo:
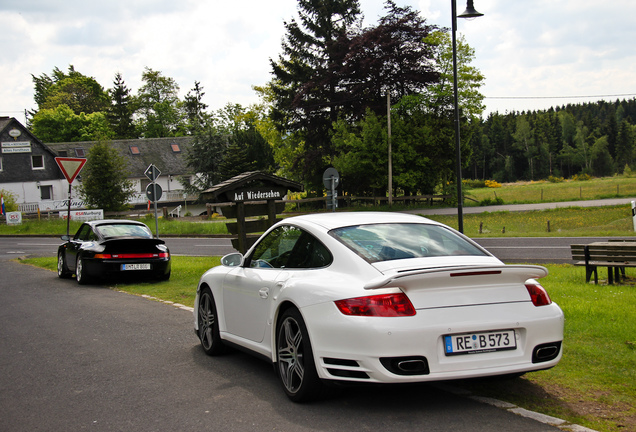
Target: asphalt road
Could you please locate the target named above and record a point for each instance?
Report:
(90, 358)
(536, 250)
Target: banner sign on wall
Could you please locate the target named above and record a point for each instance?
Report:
(14, 218)
(84, 215)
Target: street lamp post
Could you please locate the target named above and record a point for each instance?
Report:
(470, 12)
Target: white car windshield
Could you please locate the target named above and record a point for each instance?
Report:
(384, 242)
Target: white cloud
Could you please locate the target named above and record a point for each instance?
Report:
(541, 49)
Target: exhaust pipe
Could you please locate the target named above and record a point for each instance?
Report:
(546, 352)
(413, 365)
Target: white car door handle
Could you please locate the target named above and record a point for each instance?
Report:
(263, 292)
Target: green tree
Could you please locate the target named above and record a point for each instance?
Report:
(524, 141)
(196, 117)
(601, 159)
(392, 57)
(286, 148)
(625, 145)
(205, 158)
(10, 200)
(235, 161)
(362, 155)
(582, 147)
(159, 107)
(105, 183)
(121, 110)
(438, 100)
(306, 81)
(61, 124)
(81, 93)
(439, 95)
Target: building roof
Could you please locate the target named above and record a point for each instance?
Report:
(167, 154)
(17, 166)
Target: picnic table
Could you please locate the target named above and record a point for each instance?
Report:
(613, 254)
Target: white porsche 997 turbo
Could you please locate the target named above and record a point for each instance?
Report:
(378, 298)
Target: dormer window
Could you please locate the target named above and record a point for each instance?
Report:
(80, 152)
(37, 162)
(175, 148)
(134, 150)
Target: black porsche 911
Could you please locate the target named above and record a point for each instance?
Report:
(113, 248)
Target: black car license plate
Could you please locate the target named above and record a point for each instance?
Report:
(141, 266)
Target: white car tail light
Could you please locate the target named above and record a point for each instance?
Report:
(538, 294)
(383, 305)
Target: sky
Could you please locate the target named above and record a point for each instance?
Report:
(534, 54)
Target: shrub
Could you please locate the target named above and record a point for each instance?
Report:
(474, 183)
(582, 177)
(489, 201)
(553, 179)
(492, 184)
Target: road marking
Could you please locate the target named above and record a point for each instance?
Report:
(525, 247)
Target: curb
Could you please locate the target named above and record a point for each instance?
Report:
(542, 418)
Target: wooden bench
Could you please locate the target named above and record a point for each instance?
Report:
(615, 255)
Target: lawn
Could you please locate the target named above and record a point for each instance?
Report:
(566, 190)
(562, 222)
(595, 383)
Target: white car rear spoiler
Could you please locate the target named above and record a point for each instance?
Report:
(521, 271)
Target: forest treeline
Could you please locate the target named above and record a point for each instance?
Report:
(327, 106)
(595, 138)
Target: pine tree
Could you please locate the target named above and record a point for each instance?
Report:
(194, 108)
(306, 84)
(120, 112)
(105, 183)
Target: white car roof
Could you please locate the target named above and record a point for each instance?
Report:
(332, 220)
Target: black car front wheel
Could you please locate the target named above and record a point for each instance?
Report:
(296, 368)
(62, 269)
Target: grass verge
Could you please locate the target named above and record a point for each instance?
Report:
(560, 222)
(595, 383)
(566, 190)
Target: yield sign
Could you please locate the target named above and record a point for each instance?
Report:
(70, 166)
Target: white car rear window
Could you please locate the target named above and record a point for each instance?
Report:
(384, 242)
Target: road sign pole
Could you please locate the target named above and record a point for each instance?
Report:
(68, 215)
(333, 194)
(154, 187)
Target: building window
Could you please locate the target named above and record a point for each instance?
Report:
(62, 153)
(46, 192)
(134, 150)
(37, 162)
(80, 152)
(175, 148)
(143, 183)
(0, 164)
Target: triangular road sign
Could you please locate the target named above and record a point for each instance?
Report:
(70, 166)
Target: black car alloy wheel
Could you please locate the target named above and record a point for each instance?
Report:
(80, 271)
(62, 269)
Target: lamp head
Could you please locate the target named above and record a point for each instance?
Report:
(470, 11)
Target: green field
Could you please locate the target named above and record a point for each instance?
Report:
(545, 191)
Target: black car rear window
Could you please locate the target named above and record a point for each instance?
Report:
(124, 230)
